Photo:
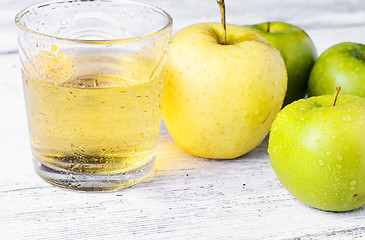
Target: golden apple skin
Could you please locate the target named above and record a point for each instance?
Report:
(220, 100)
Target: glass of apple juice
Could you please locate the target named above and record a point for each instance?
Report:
(93, 76)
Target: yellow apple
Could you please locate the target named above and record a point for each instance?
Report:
(220, 100)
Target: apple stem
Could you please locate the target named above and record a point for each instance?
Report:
(268, 27)
(223, 13)
(336, 95)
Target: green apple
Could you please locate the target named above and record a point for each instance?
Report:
(318, 151)
(220, 100)
(297, 50)
(341, 65)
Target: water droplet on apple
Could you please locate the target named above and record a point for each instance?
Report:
(275, 149)
(321, 162)
(333, 137)
(339, 166)
(337, 179)
(347, 118)
(328, 153)
(339, 157)
(353, 183)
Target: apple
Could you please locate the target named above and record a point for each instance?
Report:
(297, 50)
(341, 65)
(317, 151)
(221, 99)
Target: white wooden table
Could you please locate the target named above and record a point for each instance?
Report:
(188, 197)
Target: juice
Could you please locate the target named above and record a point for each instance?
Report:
(93, 114)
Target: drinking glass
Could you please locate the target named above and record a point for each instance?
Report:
(93, 75)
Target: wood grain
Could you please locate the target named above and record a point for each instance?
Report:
(187, 197)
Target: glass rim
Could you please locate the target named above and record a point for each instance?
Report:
(22, 27)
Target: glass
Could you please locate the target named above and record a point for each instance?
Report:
(93, 76)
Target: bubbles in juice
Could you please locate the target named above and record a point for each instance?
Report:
(93, 113)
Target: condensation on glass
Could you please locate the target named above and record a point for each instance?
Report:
(93, 74)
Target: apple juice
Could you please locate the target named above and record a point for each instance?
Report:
(94, 113)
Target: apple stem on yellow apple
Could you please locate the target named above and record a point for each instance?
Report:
(268, 27)
(336, 95)
(223, 13)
